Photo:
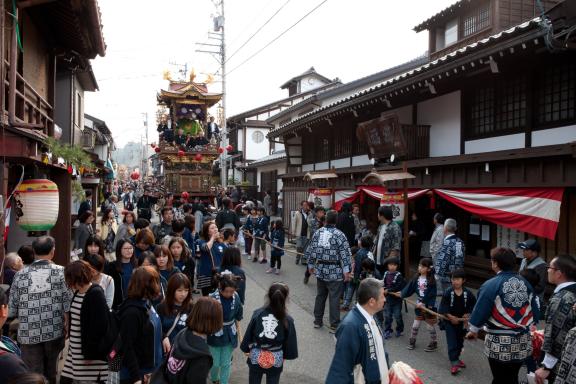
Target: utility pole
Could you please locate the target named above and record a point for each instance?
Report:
(221, 59)
(145, 171)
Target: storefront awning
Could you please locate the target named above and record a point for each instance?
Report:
(373, 191)
(383, 177)
(532, 210)
(320, 175)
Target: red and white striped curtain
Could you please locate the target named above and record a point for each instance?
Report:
(532, 210)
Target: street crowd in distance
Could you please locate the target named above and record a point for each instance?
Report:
(163, 303)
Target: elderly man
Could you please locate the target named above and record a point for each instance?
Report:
(450, 257)
(530, 250)
(437, 238)
(507, 307)
(560, 316)
(388, 239)
(330, 259)
(299, 228)
(359, 340)
(40, 300)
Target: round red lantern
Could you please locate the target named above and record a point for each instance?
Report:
(180, 153)
(157, 149)
(70, 169)
(185, 195)
(220, 150)
(135, 175)
(229, 148)
(198, 157)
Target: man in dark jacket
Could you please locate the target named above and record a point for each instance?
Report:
(165, 227)
(227, 218)
(532, 260)
(346, 224)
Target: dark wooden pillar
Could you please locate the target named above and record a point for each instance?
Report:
(62, 231)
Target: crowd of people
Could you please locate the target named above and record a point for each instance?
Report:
(128, 309)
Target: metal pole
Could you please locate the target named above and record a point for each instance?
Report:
(146, 148)
(223, 157)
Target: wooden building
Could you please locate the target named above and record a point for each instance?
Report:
(45, 51)
(492, 112)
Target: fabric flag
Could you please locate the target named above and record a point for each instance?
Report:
(532, 210)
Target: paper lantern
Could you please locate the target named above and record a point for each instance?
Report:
(40, 204)
(198, 157)
(70, 169)
(220, 150)
(185, 195)
(157, 149)
(135, 175)
(180, 153)
(229, 148)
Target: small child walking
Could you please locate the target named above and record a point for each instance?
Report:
(393, 282)
(424, 285)
(457, 303)
(366, 245)
(277, 240)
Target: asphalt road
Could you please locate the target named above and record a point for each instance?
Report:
(316, 346)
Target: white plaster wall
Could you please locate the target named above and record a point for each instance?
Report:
(554, 136)
(307, 167)
(321, 166)
(361, 160)
(280, 168)
(498, 143)
(443, 115)
(253, 150)
(240, 139)
(340, 163)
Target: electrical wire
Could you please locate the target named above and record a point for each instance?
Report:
(258, 30)
(277, 37)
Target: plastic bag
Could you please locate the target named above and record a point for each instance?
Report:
(240, 241)
(402, 373)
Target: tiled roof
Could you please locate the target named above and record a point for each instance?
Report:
(445, 12)
(419, 70)
(276, 156)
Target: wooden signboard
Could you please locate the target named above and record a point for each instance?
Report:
(384, 137)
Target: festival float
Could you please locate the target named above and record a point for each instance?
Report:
(185, 153)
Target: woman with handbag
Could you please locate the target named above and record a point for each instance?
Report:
(174, 309)
(108, 230)
(223, 342)
(211, 250)
(88, 311)
(270, 338)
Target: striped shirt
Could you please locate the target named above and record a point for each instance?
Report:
(76, 367)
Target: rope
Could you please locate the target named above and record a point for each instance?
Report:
(414, 304)
(246, 233)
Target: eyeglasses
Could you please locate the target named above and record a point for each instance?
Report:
(550, 267)
(127, 248)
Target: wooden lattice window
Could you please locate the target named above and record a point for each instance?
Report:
(511, 104)
(342, 144)
(556, 100)
(482, 111)
(308, 149)
(476, 20)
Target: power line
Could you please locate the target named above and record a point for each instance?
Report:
(277, 37)
(248, 25)
(258, 30)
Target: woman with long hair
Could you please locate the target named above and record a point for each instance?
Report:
(88, 311)
(121, 270)
(270, 338)
(140, 327)
(174, 309)
(183, 258)
(94, 246)
(97, 262)
(126, 230)
(108, 231)
(232, 262)
(165, 262)
(84, 230)
(189, 361)
(211, 249)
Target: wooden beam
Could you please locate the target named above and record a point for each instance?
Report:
(32, 3)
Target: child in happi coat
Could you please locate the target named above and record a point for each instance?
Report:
(457, 303)
(424, 285)
(260, 233)
(393, 283)
(277, 240)
(363, 252)
(223, 342)
(249, 231)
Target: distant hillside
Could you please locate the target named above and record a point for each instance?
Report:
(129, 155)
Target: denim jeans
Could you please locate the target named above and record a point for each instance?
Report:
(349, 290)
(455, 340)
(331, 290)
(42, 358)
(393, 309)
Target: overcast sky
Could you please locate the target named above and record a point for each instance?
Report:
(344, 39)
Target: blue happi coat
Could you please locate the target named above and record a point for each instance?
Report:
(328, 253)
(277, 240)
(228, 335)
(353, 340)
(261, 226)
(450, 257)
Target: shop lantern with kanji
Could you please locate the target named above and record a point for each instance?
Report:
(37, 205)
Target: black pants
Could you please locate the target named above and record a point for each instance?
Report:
(455, 340)
(275, 261)
(504, 372)
(255, 374)
(206, 291)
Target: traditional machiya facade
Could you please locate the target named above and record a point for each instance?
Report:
(186, 167)
(46, 70)
(487, 130)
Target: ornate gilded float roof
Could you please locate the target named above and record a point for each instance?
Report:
(188, 93)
